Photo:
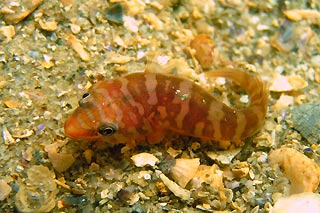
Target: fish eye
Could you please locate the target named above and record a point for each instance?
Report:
(83, 99)
(85, 95)
(107, 129)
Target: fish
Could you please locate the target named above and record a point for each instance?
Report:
(142, 108)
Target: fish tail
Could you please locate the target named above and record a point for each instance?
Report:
(258, 91)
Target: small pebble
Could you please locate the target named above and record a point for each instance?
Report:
(78, 201)
(203, 46)
(12, 104)
(75, 29)
(88, 154)
(114, 14)
(211, 175)
(154, 21)
(48, 25)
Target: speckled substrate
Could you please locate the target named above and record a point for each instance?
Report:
(52, 51)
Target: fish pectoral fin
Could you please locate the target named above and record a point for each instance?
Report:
(237, 143)
(131, 144)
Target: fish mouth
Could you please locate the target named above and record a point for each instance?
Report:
(74, 131)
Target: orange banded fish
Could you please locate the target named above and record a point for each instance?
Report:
(141, 108)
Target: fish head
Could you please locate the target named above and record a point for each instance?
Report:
(102, 115)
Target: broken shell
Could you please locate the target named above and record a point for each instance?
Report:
(25, 10)
(303, 202)
(77, 46)
(223, 157)
(207, 174)
(60, 161)
(174, 187)
(184, 170)
(5, 189)
(283, 102)
(38, 194)
(303, 173)
(143, 159)
(305, 119)
(7, 137)
(287, 83)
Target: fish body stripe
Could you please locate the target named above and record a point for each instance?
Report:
(151, 85)
(215, 115)
(184, 101)
(80, 118)
(199, 127)
(98, 108)
(241, 124)
(110, 103)
(129, 97)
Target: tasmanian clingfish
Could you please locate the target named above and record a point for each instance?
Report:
(141, 108)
